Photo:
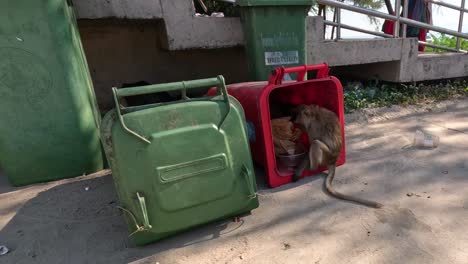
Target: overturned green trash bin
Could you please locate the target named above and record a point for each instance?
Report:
(49, 119)
(179, 164)
(275, 34)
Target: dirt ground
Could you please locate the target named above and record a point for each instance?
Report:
(424, 219)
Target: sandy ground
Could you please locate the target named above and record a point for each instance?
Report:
(424, 220)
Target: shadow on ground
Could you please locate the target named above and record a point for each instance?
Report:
(423, 221)
(78, 222)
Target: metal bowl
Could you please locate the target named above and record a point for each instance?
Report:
(290, 161)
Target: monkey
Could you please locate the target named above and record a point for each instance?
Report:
(279, 110)
(324, 131)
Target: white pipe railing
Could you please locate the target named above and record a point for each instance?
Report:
(375, 33)
(405, 14)
(405, 21)
(396, 27)
(460, 22)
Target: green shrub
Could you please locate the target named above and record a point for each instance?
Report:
(447, 41)
(377, 94)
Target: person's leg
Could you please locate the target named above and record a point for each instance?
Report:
(422, 37)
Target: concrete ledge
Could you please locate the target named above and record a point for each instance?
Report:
(132, 9)
(185, 31)
(202, 32)
(349, 52)
(440, 66)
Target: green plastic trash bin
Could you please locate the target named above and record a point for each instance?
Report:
(49, 120)
(179, 164)
(274, 32)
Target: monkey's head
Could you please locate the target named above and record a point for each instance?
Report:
(305, 115)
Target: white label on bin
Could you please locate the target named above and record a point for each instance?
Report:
(281, 57)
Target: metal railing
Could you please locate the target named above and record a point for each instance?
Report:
(403, 21)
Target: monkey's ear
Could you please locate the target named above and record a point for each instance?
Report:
(308, 110)
(314, 107)
(299, 108)
(295, 112)
(312, 110)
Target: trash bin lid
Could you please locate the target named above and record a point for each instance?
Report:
(275, 2)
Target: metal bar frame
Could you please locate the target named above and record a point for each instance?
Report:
(338, 20)
(432, 45)
(405, 15)
(398, 19)
(396, 26)
(375, 33)
(462, 8)
(460, 22)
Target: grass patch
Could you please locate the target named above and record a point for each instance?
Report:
(375, 94)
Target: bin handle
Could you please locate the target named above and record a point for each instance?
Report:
(277, 75)
(166, 87)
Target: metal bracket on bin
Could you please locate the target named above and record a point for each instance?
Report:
(175, 86)
(277, 75)
(144, 211)
(249, 179)
(146, 225)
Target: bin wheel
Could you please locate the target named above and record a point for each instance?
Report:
(238, 218)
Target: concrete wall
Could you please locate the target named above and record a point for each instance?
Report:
(125, 51)
(164, 41)
(183, 30)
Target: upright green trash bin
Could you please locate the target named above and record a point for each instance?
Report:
(180, 164)
(49, 119)
(274, 33)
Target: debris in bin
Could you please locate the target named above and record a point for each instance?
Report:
(285, 135)
(3, 250)
(422, 139)
(287, 143)
(217, 14)
(251, 131)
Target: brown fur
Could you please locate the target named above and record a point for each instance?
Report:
(324, 131)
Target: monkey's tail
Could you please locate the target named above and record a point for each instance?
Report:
(331, 191)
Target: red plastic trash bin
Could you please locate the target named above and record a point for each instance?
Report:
(257, 97)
